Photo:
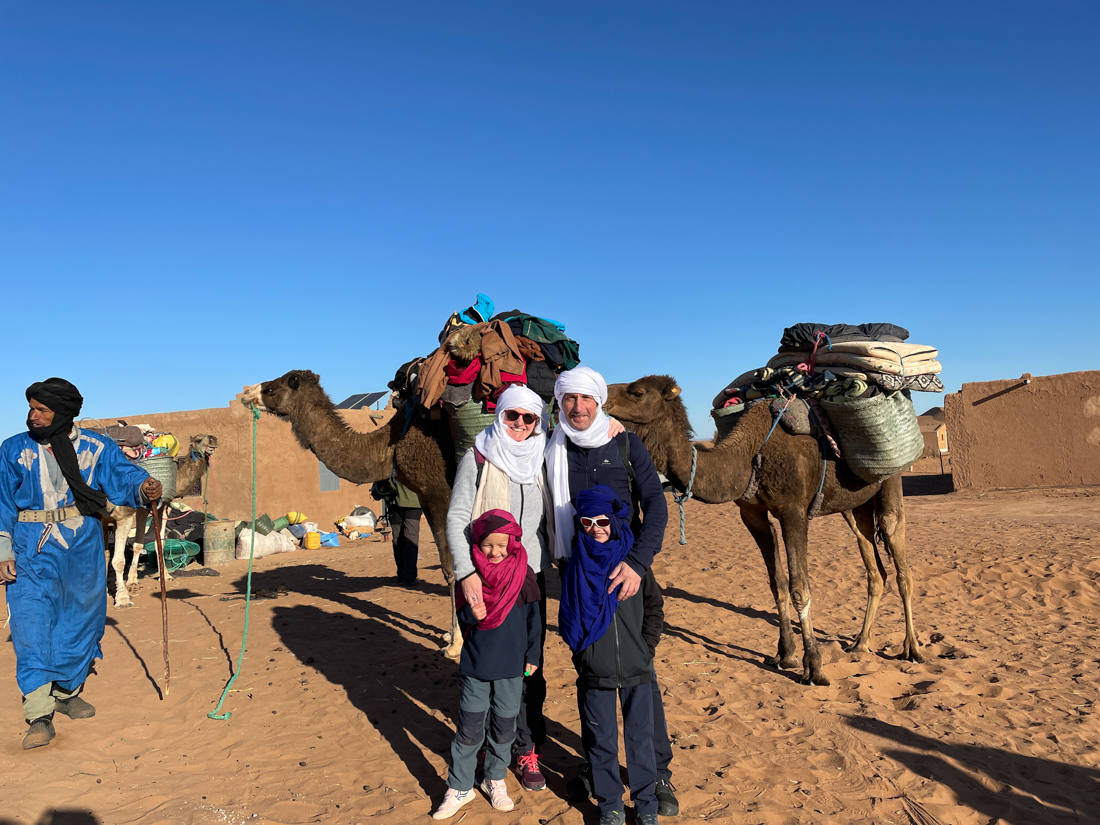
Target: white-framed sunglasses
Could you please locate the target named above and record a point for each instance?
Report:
(597, 521)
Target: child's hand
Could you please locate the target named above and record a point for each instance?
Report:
(530, 669)
(479, 610)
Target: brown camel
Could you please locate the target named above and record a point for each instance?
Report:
(786, 484)
(190, 470)
(421, 456)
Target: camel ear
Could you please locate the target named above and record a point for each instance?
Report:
(294, 382)
(672, 392)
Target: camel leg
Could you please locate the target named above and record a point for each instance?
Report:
(139, 531)
(795, 529)
(118, 562)
(891, 516)
(862, 522)
(763, 532)
(434, 505)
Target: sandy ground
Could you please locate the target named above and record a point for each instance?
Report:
(342, 712)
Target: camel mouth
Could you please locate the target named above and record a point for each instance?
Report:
(253, 396)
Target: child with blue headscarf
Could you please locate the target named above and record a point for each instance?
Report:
(610, 655)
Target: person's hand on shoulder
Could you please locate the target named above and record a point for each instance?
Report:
(614, 427)
(471, 589)
(624, 575)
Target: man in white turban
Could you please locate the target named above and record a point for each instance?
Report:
(580, 455)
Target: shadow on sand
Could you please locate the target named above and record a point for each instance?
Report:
(1031, 790)
(61, 816)
(389, 664)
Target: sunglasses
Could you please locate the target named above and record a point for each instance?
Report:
(528, 418)
(599, 521)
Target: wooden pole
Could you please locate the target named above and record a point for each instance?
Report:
(163, 595)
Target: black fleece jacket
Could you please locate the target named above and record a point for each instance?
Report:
(504, 651)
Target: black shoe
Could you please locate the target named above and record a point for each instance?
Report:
(579, 788)
(40, 733)
(647, 819)
(612, 818)
(75, 708)
(667, 804)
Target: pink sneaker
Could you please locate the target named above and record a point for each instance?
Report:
(452, 801)
(527, 766)
(497, 791)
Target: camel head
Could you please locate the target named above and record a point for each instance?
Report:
(203, 446)
(652, 409)
(282, 396)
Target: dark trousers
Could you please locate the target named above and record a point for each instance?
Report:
(531, 724)
(405, 523)
(598, 709)
(662, 747)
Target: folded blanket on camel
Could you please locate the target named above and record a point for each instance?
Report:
(865, 363)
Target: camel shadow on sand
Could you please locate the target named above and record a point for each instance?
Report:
(61, 816)
(1034, 791)
(389, 664)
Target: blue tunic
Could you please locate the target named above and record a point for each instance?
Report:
(58, 601)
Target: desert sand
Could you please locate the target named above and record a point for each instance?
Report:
(342, 711)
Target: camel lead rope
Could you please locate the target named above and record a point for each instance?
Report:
(214, 714)
(163, 594)
(684, 497)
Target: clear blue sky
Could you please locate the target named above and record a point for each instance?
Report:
(195, 196)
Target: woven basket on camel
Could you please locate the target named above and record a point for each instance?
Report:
(879, 436)
(163, 469)
(469, 419)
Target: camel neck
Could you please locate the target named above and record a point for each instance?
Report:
(722, 472)
(361, 458)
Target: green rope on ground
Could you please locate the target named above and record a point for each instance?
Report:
(248, 587)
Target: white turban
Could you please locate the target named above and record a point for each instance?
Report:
(579, 381)
(521, 461)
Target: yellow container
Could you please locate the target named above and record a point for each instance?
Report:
(313, 541)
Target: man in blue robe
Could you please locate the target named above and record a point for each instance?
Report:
(55, 482)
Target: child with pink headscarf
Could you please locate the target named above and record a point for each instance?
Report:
(502, 643)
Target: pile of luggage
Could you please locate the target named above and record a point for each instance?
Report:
(847, 385)
(481, 353)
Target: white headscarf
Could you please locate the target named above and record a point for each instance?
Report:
(521, 461)
(580, 381)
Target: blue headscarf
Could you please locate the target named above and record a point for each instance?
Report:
(587, 609)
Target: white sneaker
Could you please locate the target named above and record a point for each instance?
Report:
(497, 791)
(452, 801)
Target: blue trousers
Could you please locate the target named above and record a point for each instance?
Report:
(497, 703)
(662, 747)
(602, 749)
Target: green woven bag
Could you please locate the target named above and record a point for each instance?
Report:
(467, 420)
(878, 436)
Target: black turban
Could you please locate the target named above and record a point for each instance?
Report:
(65, 401)
(59, 395)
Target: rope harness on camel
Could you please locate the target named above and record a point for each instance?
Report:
(682, 498)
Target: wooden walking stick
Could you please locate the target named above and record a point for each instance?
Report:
(163, 594)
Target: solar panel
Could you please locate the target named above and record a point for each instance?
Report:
(361, 400)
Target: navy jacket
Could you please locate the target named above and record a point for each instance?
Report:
(504, 651)
(604, 465)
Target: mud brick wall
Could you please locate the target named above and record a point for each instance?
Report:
(287, 477)
(1009, 434)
